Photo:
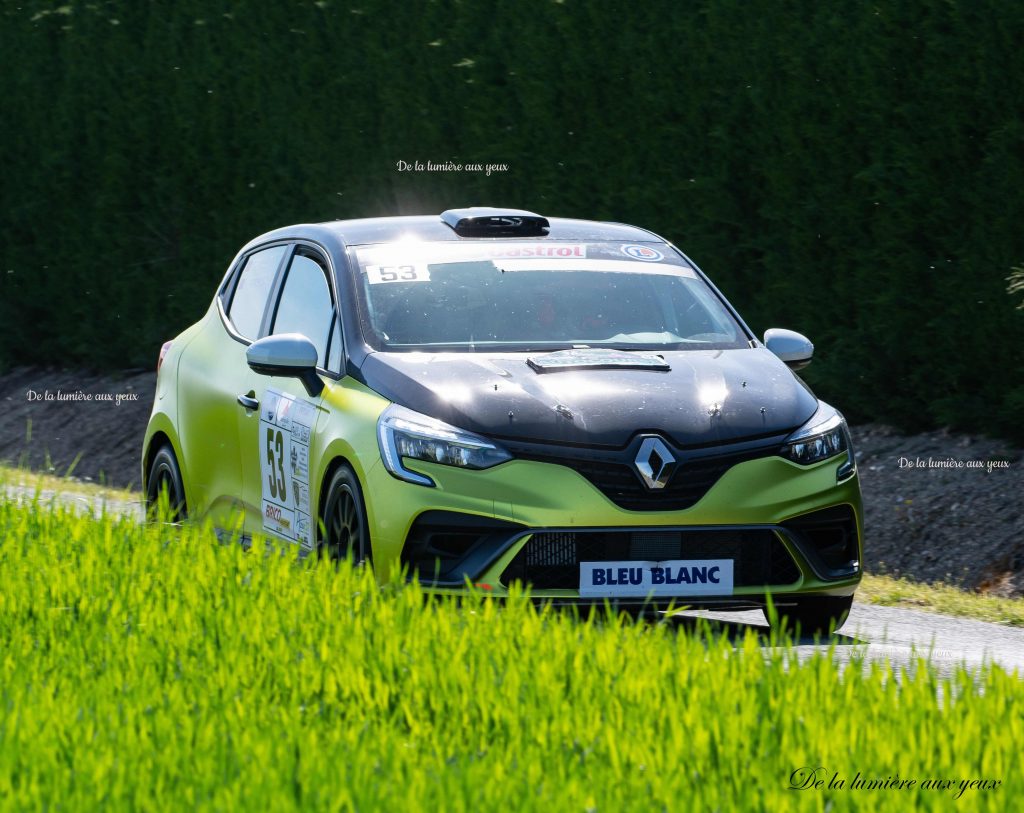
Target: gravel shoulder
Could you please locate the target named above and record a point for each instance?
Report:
(938, 506)
(943, 507)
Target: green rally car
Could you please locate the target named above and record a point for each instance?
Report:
(490, 396)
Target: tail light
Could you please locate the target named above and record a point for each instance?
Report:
(163, 352)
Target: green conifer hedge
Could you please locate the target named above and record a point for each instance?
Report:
(851, 171)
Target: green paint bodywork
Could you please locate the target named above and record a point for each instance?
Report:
(216, 443)
(544, 495)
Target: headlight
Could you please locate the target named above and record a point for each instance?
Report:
(825, 435)
(404, 433)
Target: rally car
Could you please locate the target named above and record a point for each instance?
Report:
(490, 397)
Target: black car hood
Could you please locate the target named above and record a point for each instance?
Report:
(707, 397)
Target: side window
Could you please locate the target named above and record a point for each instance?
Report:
(252, 290)
(334, 362)
(305, 305)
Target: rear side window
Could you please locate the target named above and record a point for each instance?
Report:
(253, 289)
(305, 305)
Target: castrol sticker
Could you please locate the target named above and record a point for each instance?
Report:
(286, 424)
(410, 261)
(545, 250)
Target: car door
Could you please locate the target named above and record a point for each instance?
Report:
(211, 375)
(275, 435)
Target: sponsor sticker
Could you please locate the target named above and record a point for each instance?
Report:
(675, 577)
(529, 250)
(644, 253)
(409, 272)
(409, 262)
(605, 266)
(285, 426)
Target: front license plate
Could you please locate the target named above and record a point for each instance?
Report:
(676, 577)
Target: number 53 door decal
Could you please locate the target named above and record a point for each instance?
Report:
(285, 427)
(277, 482)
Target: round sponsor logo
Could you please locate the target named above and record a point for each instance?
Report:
(645, 253)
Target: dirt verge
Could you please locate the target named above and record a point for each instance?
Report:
(55, 419)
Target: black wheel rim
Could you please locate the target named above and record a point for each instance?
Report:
(344, 526)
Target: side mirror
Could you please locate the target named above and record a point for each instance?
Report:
(793, 348)
(286, 354)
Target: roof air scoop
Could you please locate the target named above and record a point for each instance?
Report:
(485, 221)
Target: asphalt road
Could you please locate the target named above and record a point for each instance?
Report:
(898, 635)
(901, 636)
(85, 501)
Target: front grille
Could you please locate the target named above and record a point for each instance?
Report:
(621, 484)
(552, 560)
(551, 550)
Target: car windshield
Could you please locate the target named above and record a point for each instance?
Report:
(518, 296)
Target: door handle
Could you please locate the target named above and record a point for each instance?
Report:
(249, 402)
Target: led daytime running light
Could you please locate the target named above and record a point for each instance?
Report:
(402, 433)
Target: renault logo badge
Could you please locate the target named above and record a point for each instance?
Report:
(655, 463)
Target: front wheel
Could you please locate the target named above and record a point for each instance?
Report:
(344, 530)
(813, 615)
(165, 478)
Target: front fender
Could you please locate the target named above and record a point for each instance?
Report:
(346, 429)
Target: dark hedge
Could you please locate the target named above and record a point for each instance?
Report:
(852, 171)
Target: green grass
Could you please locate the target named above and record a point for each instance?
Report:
(941, 598)
(150, 668)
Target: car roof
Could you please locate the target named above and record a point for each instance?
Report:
(340, 233)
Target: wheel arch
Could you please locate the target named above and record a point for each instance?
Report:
(161, 433)
(333, 465)
(336, 460)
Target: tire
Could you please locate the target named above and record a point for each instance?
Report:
(345, 532)
(164, 473)
(813, 615)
